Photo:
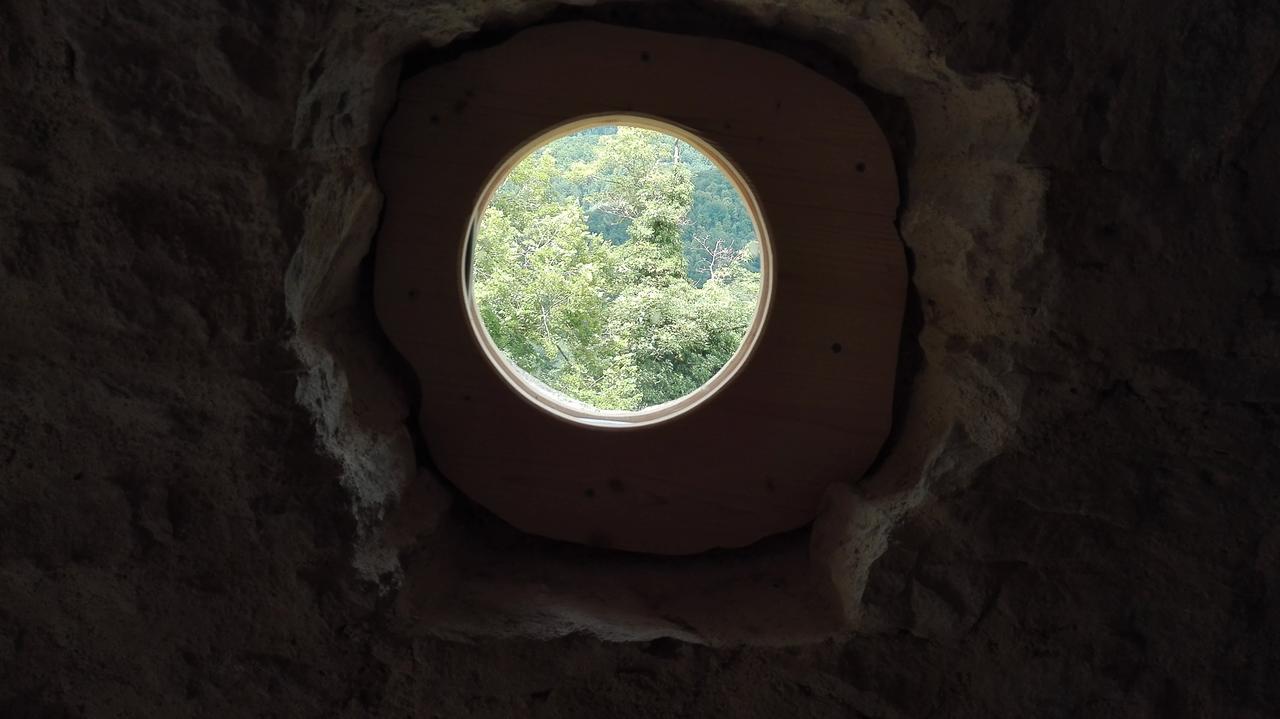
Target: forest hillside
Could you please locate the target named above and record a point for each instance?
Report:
(619, 266)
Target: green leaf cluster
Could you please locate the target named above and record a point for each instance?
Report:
(617, 266)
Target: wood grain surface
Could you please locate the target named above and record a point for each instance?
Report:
(810, 406)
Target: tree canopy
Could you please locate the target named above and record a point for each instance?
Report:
(618, 266)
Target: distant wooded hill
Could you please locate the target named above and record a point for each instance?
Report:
(617, 265)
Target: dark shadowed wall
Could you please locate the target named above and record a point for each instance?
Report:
(177, 537)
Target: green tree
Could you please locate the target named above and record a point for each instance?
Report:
(612, 319)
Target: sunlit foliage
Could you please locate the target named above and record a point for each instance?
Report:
(618, 266)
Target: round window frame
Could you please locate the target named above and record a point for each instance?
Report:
(811, 408)
(545, 399)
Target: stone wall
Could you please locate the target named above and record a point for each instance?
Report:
(202, 433)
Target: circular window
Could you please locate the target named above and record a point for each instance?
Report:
(618, 271)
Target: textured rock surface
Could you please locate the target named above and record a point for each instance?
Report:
(1095, 534)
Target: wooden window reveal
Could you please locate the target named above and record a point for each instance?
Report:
(809, 405)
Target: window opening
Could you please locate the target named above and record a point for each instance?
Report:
(618, 270)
